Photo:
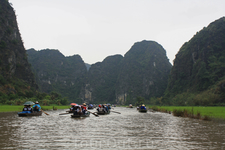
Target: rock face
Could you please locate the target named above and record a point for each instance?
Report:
(14, 67)
(144, 72)
(200, 62)
(102, 78)
(55, 72)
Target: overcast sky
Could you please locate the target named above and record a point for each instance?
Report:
(95, 29)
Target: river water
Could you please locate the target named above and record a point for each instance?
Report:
(128, 130)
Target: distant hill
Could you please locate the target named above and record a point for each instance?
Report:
(144, 72)
(16, 78)
(198, 74)
(102, 78)
(55, 72)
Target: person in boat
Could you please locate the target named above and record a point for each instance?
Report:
(29, 108)
(106, 108)
(99, 107)
(109, 107)
(77, 110)
(84, 108)
(72, 108)
(37, 107)
(25, 107)
(143, 107)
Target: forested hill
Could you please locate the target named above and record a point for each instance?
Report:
(102, 78)
(55, 72)
(16, 78)
(198, 74)
(144, 72)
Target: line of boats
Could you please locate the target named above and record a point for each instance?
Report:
(79, 115)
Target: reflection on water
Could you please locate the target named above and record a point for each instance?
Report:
(128, 130)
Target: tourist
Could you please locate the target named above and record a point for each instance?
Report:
(84, 108)
(29, 108)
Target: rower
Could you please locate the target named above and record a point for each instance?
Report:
(143, 107)
(37, 107)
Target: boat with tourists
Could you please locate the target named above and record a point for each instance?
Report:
(21, 114)
(90, 106)
(79, 115)
(103, 112)
(142, 109)
(130, 106)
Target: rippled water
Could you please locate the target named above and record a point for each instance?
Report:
(128, 130)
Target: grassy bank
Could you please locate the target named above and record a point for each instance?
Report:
(212, 112)
(18, 108)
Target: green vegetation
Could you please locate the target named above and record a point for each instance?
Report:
(197, 77)
(55, 72)
(212, 112)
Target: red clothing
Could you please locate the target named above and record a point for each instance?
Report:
(84, 107)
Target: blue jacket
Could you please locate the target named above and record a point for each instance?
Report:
(143, 107)
(37, 106)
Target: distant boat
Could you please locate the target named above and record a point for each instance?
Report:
(142, 110)
(103, 112)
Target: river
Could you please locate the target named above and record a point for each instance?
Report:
(128, 130)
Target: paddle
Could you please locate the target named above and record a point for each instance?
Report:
(93, 113)
(115, 112)
(45, 112)
(64, 113)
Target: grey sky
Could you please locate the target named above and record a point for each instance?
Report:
(95, 29)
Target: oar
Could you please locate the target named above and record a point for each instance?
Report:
(64, 113)
(115, 112)
(93, 113)
(44, 112)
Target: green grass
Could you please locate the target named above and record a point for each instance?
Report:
(18, 108)
(215, 112)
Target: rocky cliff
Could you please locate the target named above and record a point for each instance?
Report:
(198, 66)
(55, 72)
(102, 77)
(15, 71)
(144, 72)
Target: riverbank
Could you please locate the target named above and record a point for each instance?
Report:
(18, 108)
(193, 112)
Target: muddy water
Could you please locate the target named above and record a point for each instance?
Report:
(128, 130)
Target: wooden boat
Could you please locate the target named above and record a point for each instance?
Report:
(30, 114)
(81, 115)
(129, 106)
(103, 112)
(142, 110)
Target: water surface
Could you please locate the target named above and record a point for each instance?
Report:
(128, 130)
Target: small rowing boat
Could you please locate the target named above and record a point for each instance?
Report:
(81, 115)
(21, 114)
(103, 112)
(142, 110)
